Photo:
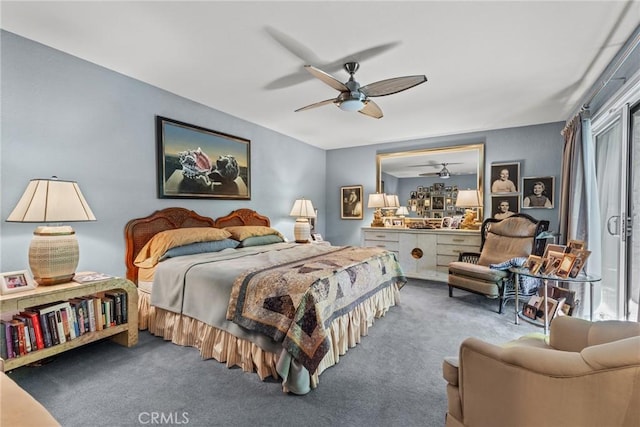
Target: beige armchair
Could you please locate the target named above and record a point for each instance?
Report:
(502, 240)
(585, 374)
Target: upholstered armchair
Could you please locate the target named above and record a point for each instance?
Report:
(502, 240)
(584, 374)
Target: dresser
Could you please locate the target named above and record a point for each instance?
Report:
(423, 254)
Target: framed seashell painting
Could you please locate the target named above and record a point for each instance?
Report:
(195, 162)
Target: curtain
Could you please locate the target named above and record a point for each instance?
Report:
(579, 208)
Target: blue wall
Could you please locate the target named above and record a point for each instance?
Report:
(67, 117)
(537, 148)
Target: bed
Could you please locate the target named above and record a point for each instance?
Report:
(236, 290)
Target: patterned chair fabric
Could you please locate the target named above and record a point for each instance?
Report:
(509, 241)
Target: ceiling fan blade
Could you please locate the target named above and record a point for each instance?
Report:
(391, 86)
(371, 109)
(429, 174)
(317, 104)
(326, 78)
(363, 55)
(293, 46)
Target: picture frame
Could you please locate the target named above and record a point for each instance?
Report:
(554, 250)
(566, 264)
(538, 192)
(437, 202)
(513, 202)
(530, 311)
(533, 263)
(446, 222)
(502, 183)
(316, 237)
(581, 257)
(16, 281)
(351, 202)
(196, 162)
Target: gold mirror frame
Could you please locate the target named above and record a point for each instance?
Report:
(447, 153)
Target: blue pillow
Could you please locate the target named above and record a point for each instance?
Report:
(200, 247)
(261, 240)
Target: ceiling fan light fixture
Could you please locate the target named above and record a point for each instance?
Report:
(351, 105)
(444, 173)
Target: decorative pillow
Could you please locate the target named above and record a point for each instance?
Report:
(165, 240)
(241, 232)
(200, 247)
(261, 240)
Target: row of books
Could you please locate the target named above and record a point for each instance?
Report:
(47, 325)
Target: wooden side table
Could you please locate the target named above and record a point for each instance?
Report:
(124, 334)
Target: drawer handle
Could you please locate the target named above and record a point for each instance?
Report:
(381, 246)
(380, 235)
(458, 240)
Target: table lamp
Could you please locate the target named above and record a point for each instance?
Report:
(303, 210)
(377, 201)
(470, 200)
(54, 252)
(392, 203)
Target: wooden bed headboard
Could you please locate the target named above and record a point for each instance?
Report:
(139, 231)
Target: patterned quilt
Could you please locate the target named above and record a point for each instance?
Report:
(294, 303)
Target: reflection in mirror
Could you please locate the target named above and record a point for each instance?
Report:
(426, 181)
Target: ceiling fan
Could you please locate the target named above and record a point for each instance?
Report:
(354, 97)
(444, 173)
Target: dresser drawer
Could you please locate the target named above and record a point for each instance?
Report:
(390, 246)
(453, 239)
(455, 250)
(388, 236)
(444, 260)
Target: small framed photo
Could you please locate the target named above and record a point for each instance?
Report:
(574, 245)
(505, 177)
(16, 281)
(316, 237)
(530, 311)
(437, 202)
(504, 206)
(538, 192)
(351, 202)
(581, 257)
(533, 263)
(566, 265)
(446, 222)
(553, 250)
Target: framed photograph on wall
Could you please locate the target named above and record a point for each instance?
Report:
(351, 202)
(504, 206)
(437, 202)
(538, 192)
(195, 162)
(505, 177)
(16, 281)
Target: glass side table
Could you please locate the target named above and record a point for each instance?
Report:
(580, 278)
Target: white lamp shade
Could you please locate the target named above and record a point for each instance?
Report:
(402, 211)
(52, 200)
(392, 201)
(468, 199)
(303, 208)
(377, 200)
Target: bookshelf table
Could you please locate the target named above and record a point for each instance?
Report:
(580, 279)
(125, 334)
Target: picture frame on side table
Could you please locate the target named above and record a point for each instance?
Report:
(538, 192)
(16, 281)
(351, 202)
(505, 178)
(199, 163)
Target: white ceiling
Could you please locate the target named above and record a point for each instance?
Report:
(489, 65)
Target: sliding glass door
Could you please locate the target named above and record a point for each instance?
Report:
(617, 147)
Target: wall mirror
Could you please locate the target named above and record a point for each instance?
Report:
(427, 180)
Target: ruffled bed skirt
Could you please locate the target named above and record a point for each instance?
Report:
(222, 346)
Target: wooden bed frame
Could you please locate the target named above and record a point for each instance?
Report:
(139, 231)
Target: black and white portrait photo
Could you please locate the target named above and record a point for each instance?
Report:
(538, 192)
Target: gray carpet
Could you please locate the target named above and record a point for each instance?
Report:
(392, 378)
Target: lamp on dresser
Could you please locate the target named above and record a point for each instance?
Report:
(303, 210)
(469, 200)
(54, 251)
(377, 201)
(391, 203)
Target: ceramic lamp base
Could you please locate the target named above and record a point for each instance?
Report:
(53, 255)
(302, 230)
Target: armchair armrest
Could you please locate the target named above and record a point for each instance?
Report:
(470, 257)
